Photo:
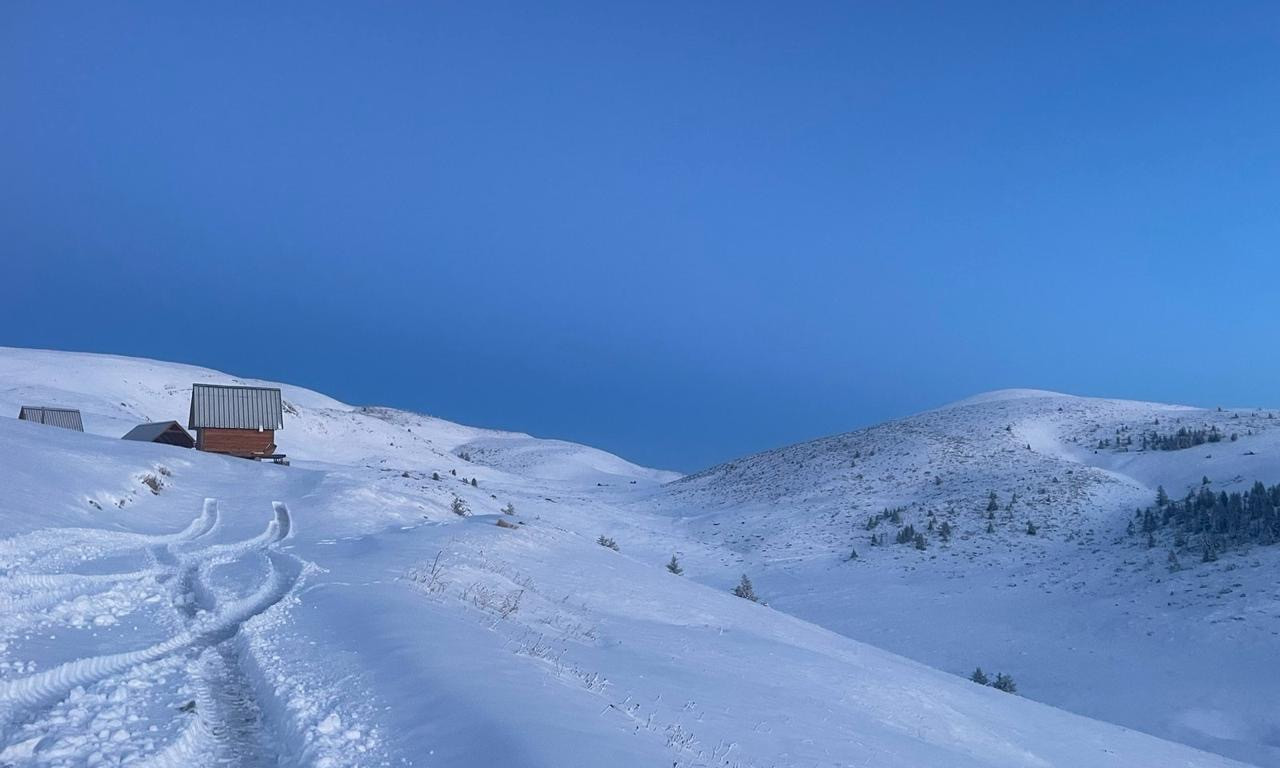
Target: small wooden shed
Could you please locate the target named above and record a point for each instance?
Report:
(166, 432)
(67, 418)
(240, 421)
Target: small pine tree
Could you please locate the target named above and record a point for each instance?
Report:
(945, 531)
(1004, 683)
(853, 554)
(473, 482)
(1174, 565)
(1151, 540)
(459, 507)
(991, 528)
(1031, 528)
(674, 566)
(1162, 498)
(919, 541)
(979, 677)
(605, 541)
(510, 509)
(745, 590)
(993, 503)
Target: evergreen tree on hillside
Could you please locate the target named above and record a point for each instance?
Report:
(674, 566)
(745, 590)
(979, 677)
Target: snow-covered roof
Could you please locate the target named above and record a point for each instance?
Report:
(219, 406)
(149, 432)
(67, 418)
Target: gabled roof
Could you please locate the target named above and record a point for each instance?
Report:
(147, 433)
(217, 406)
(67, 418)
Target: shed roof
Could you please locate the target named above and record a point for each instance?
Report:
(217, 406)
(149, 432)
(67, 418)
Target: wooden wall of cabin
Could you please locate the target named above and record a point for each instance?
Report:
(242, 442)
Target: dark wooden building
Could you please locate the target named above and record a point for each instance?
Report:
(67, 418)
(240, 421)
(166, 432)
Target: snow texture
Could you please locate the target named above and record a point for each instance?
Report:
(164, 607)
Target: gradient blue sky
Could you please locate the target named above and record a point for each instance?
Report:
(679, 231)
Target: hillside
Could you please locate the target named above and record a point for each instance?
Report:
(170, 608)
(1083, 614)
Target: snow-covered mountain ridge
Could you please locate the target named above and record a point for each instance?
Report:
(1048, 585)
(168, 607)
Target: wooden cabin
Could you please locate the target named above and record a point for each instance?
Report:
(67, 418)
(240, 421)
(164, 432)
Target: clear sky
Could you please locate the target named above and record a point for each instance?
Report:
(680, 231)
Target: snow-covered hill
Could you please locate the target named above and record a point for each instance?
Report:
(170, 608)
(1083, 614)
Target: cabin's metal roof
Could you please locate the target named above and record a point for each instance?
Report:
(216, 406)
(149, 432)
(67, 418)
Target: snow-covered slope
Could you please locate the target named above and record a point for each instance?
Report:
(1083, 615)
(116, 393)
(172, 608)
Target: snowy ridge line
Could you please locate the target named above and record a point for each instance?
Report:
(49, 686)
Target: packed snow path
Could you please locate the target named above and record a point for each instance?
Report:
(174, 589)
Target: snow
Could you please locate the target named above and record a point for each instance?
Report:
(1083, 616)
(336, 613)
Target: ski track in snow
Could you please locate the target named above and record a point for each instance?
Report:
(227, 722)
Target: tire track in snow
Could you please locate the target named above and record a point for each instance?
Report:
(20, 698)
(225, 727)
(48, 589)
(24, 596)
(227, 724)
(65, 546)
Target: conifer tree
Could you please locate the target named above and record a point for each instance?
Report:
(1004, 683)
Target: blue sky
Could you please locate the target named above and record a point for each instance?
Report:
(679, 231)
